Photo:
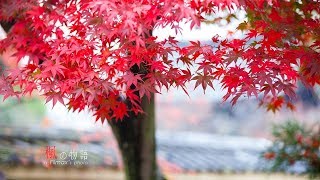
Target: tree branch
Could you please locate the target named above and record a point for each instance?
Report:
(7, 25)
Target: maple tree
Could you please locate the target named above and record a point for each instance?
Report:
(101, 54)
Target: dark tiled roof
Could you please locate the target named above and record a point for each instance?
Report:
(204, 152)
(189, 151)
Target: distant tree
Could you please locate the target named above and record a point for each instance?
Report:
(295, 144)
(307, 95)
(101, 55)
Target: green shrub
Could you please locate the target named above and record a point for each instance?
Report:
(294, 143)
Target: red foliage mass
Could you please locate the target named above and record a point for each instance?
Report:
(100, 53)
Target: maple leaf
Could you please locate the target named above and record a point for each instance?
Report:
(132, 79)
(275, 104)
(120, 111)
(53, 68)
(204, 80)
(55, 97)
(243, 26)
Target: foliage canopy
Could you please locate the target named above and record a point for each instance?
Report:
(93, 53)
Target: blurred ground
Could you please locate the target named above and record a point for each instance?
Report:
(109, 174)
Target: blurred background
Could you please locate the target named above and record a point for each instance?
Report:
(198, 137)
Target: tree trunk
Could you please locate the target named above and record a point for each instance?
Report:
(136, 139)
(7, 25)
(135, 135)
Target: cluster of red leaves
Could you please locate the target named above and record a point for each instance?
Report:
(281, 46)
(101, 54)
